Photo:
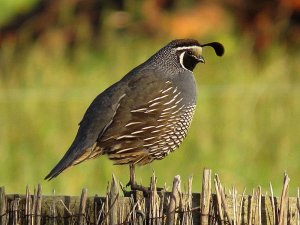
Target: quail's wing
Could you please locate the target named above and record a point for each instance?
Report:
(122, 120)
(146, 121)
(97, 117)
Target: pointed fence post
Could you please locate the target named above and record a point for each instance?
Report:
(3, 205)
(82, 207)
(205, 197)
(28, 211)
(154, 202)
(174, 201)
(284, 201)
(113, 201)
(38, 206)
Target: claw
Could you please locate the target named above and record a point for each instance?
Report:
(137, 187)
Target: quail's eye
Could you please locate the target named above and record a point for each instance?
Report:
(189, 52)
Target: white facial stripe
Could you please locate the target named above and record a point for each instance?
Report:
(181, 60)
(190, 47)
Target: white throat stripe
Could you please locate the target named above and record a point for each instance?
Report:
(181, 60)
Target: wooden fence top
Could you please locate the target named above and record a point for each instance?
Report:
(214, 205)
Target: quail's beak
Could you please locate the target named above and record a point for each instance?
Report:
(201, 59)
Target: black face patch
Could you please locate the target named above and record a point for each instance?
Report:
(189, 60)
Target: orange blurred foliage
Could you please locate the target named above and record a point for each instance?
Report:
(199, 20)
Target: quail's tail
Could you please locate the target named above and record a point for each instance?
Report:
(73, 156)
(63, 164)
(56, 171)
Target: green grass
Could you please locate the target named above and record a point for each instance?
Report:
(246, 127)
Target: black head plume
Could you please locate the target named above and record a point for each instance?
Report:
(218, 47)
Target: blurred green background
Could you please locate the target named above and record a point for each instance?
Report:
(56, 56)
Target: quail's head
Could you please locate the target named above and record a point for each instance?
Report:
(185, 54)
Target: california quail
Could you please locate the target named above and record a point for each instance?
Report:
(144, 116)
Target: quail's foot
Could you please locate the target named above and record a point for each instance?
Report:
(137, 187)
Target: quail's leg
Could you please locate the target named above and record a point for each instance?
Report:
(132, 183)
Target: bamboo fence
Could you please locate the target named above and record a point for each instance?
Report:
(214, 205)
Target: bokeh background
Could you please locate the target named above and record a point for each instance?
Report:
(56, 56)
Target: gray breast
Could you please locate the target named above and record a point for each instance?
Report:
(178, 120)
